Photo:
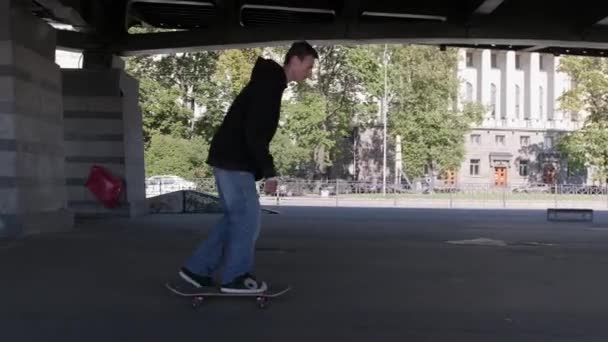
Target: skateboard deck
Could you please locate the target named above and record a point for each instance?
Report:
(198, 295)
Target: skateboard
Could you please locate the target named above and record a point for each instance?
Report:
(199, 295)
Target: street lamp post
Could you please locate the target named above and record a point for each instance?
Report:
(383, 108)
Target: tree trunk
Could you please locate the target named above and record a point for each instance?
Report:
(431, 175)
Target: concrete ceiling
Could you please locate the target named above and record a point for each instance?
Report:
(548, 26)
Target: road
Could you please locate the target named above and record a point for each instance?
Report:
(358, 274)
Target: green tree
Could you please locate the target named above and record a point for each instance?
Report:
(425, 111)
(161, 112)
(177, 156)
(587, 147)
(290, 158)
(421, 104)
(301, 135)
(193, 75)
(232, 72)
(169, 88)
(161, 106)
(188, 76)
(320, 112)
(340, 88)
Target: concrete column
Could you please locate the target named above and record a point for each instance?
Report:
(508, 86)
(32, 174)
(531, 86)
(103, 126)
(483, 84)
(552, 105)
(460, 70)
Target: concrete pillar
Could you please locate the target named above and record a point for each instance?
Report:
(508, 86)
(552, 97)
(103, 126)
(531, 86)
(483, 84)
(460, 70)
(32, 175)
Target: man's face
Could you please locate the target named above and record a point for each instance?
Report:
(302, 68)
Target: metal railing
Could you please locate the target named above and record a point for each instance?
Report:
(206, 185)
(370, 194)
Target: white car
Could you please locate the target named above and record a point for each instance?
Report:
(533, 188)
(162, 184)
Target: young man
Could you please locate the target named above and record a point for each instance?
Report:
(239, 155)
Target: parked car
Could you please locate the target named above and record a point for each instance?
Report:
(534, 188)
(287, 187)
(162, 184)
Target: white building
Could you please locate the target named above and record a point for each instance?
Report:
(515, 143)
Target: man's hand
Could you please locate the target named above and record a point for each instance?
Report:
(270, 186)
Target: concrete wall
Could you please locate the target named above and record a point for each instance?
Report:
(32, 175)
(103, 127)
(133, 146)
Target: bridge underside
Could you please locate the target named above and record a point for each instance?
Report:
(546, 26)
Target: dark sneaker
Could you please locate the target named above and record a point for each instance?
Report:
(244, 284)
(195, 279)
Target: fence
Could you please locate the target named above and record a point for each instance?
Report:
(162, 187)
(369, 194)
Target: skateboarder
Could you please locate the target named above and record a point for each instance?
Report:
(239, 155)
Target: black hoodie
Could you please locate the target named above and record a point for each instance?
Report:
(242, 141)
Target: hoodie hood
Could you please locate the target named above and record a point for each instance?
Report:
(267, 70)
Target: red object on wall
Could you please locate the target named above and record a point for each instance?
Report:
(104, 186)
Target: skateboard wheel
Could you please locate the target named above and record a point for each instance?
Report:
(262, 302)
(197, 301)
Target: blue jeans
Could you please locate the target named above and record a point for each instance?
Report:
(231, 242)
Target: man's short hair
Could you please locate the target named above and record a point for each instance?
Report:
(300, 50)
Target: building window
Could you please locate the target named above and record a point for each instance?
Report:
(541, 97)
(500, 140)
(548, 142)
(469, 94)
(475, 139)
(493, 100)
(524, 141)
(517, 101)
(469, 60)
(523, 168)
(494, 61)
(474, 167)
(518, 62)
